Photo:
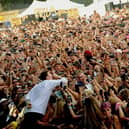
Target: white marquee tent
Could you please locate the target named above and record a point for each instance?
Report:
(56, 4)
(99, 6)
(63, 4)
(32, 7)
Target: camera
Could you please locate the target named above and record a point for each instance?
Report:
(49, 68)
(111, 56)
(69, 98)
(61, 85)
(64, 87)
(58, 55)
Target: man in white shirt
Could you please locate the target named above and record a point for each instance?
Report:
(38, 98)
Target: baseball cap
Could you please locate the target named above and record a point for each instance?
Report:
(3, 100)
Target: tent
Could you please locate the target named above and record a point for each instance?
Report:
(63, 4)
(98, 5)
(56, 4)
(32, 7)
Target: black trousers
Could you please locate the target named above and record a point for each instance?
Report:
(30, 121)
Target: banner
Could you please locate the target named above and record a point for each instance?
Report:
(16, 21)
(1, 18)
(7, 16)
(45, 13)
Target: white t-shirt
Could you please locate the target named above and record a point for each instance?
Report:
(39, 95)
(89, 86)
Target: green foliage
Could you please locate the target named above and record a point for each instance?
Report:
(11, 4)
(5, 3)
(86, 2)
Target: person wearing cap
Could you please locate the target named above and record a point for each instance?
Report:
(111, 121)
(88, 55)
(38, 98)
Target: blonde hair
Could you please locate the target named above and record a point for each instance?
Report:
(59, 108)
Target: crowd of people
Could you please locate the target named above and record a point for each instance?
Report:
(91, 53)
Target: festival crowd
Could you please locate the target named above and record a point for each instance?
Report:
(66, 73)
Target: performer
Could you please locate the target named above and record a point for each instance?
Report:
(38, 97)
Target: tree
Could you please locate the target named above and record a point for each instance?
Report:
(4, 3)
(9, 4)
(86, 2)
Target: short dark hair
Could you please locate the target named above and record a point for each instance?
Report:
(124, 93)
(124, 77)
(43, 75)
(125, 69)
(112, 88)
